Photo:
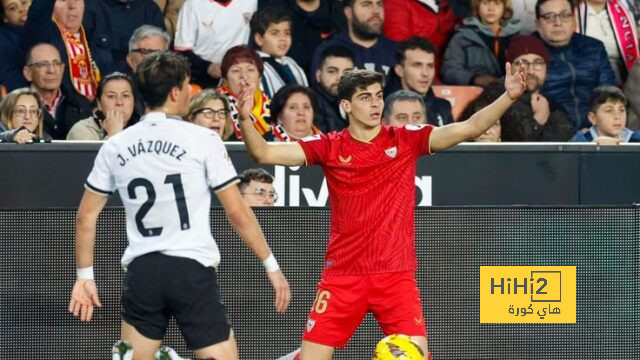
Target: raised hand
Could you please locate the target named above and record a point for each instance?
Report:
(245, 101)
(84, 297)
(515, 84)
(281, 286)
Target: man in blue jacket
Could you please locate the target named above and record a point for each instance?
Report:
(577, 63)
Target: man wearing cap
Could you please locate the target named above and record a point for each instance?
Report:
(533, 117)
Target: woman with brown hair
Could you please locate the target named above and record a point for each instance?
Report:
(21, 117)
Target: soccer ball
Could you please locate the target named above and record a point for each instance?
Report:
(398, 347)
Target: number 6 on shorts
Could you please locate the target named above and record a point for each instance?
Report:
(321, 302)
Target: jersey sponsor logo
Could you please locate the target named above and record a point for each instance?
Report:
(391, 152)
(414, 127)
(207, 24)
(345, 160)
(310, 324)
(311, 138)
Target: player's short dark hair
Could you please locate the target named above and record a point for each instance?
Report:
(280, 98)
(355, 80)
(255, 174)
(267, 16)
(339, 51)
(539, 3)
(413, 43)
(158, 73)
(603, 94)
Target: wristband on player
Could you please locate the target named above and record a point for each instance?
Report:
(85, 273)
(270, 263)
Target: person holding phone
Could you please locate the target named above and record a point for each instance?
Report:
(113, 111)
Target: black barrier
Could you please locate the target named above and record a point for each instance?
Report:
(37, 273)
(52, 175)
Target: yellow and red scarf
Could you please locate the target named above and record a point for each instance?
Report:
(84, 72)
(260, 115)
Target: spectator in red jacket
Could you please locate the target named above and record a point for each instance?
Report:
(429, 19)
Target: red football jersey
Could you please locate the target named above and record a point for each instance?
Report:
(372, 195)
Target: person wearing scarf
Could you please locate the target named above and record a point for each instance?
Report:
(293, 108)
(242, 67)
(612, 23)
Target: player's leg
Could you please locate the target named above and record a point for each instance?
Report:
(313, 351)
(143, 347)
(395, 302)
(337, 311)
(195, 301)
(144, 319)
(225, 350)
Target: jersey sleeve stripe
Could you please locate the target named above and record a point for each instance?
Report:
(226, 184)
(97, 190)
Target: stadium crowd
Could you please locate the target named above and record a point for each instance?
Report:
(67, 67)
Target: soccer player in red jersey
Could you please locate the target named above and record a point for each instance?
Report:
(370, 169)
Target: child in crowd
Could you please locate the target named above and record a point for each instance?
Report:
(476, 53)
(608, 114)
(271, 31)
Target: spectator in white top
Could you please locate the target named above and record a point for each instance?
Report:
(610, 22)
(207, 29)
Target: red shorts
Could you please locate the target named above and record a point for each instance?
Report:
(343, 301)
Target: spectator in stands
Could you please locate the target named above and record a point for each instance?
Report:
(533, 117)
(488, 96)
(632, 92)
(271, 31)
(113, 112)
(210, 109)
(404, 107)
(145, 40)
(207, 29)
(21, 117)
(242, 68)
(312, 22)
(475, 55)
(13, 16)
(170, 10)
(256, 187)
(608, 114)
(432, 20)
(610, 22)
(525, 11)
(577, 63)
(372, 50)
(335, 60)
(59, 22)
(293, 108)
(415, 71)
(44, 71)
(116, 20)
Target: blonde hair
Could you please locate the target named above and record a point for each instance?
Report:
(8, 104)
(197, 103)
(507, 13)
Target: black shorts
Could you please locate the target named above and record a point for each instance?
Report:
(158, 286)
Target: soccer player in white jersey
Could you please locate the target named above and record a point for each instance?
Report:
(164, 168)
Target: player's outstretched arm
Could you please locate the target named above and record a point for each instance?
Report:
(244, 221)
(453, 134)
(290, 153)
(84, 296)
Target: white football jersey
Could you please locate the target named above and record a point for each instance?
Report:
(164, 169)
(209, 29)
